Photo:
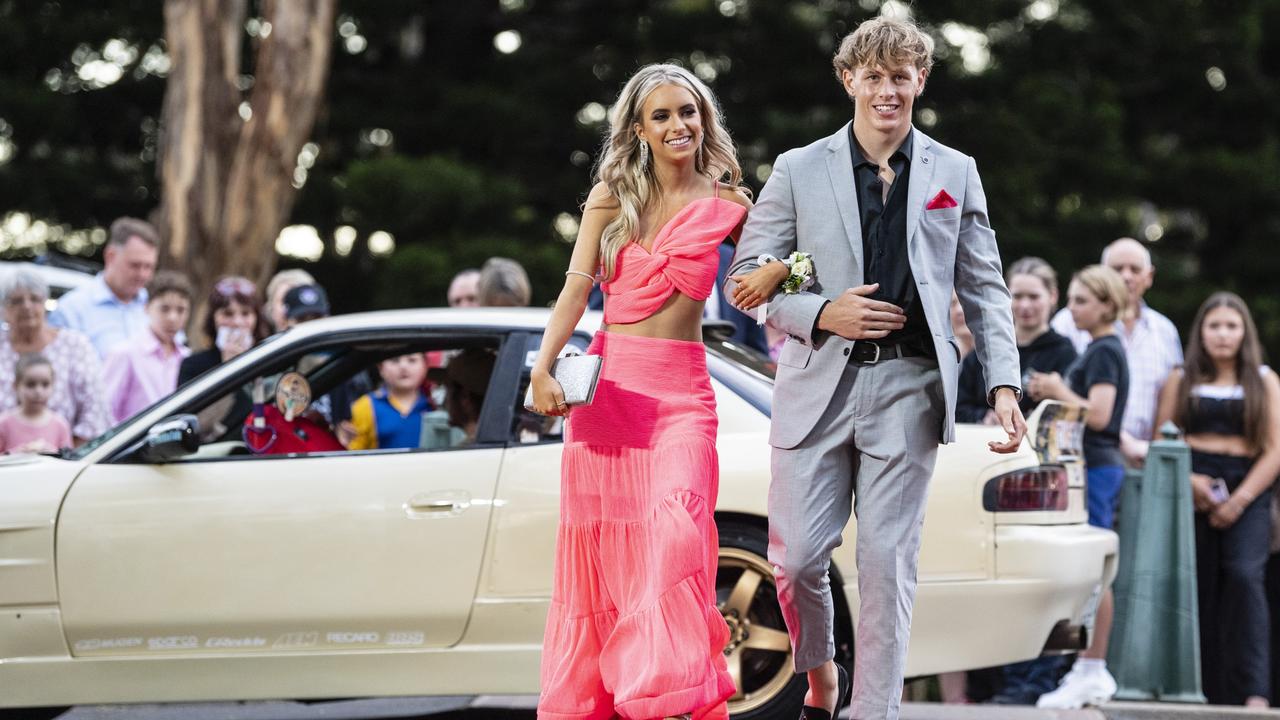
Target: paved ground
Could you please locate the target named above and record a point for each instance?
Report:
(520, 709)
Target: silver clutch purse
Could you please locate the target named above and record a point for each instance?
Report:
(577, 375)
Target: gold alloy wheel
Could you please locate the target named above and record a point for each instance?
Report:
(759, 649)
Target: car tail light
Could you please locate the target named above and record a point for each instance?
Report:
(1039, 488)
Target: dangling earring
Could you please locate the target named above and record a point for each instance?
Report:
(697, 158)
(644, 153)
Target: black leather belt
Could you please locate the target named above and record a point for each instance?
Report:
(868, 352)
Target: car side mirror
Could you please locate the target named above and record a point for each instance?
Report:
(170, 439)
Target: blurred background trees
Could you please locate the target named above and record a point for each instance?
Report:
(449, 132)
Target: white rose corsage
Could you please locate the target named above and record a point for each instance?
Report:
(801, 277)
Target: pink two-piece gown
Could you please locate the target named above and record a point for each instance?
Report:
(633, 628)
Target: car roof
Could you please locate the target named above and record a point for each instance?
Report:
(509, 318)
(56, 277)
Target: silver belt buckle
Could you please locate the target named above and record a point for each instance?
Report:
(876, 359)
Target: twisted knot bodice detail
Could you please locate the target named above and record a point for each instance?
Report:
(683, 258)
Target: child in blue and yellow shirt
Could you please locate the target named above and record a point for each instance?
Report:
(391, 416)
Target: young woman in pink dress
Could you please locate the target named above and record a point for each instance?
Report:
(633, 629)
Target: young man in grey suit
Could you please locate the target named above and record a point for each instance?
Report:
(866, 382)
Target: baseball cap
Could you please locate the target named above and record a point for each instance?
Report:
(305, 300)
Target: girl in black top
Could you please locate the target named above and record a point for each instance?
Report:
(234, 322)
(1099, 382)
(1034, 286)
(1228, 405)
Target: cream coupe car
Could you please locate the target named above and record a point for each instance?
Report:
(165, 561)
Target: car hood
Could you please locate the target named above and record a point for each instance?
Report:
(31, 491)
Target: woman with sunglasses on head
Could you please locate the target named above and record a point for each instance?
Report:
(1228, 405)
(633, 629)
(234, 321)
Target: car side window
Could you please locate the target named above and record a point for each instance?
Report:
(376, 396)
(529, 427)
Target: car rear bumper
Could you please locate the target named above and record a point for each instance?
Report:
(1044, 576)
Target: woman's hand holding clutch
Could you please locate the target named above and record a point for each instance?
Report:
(548, 396)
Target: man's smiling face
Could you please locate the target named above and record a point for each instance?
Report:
(883, 97)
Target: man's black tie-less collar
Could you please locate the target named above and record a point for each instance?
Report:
(883, 219)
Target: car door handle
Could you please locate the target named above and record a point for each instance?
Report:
(448, 503)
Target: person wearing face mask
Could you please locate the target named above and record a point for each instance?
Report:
(1034, 286)
(1228, 405)
(234, 321)
(1151, 343)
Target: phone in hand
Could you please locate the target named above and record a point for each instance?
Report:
(1218, 491)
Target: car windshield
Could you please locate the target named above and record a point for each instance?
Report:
(77, 453)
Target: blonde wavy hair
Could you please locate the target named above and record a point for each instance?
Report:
(631, 181)
(1106, 285)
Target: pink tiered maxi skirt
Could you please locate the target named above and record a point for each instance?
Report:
(633, 628)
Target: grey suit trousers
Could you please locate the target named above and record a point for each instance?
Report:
(873, 451)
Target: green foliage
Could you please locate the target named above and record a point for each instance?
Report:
(1092, 119)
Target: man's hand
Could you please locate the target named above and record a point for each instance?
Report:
(854, 316)
(1010, 416)
(1133, 449)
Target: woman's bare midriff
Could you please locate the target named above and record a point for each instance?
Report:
(679, 318)
(1216, 444)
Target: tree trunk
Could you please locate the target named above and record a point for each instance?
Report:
(226, 182)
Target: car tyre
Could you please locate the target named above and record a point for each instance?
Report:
(759, 649)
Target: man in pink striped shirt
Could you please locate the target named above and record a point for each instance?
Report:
(144, 368)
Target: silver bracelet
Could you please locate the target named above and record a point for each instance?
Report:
(567, 273)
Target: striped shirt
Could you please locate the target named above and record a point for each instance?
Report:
(1153, 350)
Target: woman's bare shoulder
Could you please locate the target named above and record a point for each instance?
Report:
(601, 199)
(739, 195)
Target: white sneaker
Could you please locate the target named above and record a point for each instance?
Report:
(1079, 688)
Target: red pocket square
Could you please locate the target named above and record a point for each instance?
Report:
(941, 201)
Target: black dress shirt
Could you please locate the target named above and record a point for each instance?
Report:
(884, 239)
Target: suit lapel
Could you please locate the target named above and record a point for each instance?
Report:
(922, 164)
(840, 169)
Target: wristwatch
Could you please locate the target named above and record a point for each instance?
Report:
(991, 396)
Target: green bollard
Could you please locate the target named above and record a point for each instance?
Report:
(1155, 639)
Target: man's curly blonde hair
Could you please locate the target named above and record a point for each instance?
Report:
(884, 42)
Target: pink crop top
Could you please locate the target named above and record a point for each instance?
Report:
(684, 258)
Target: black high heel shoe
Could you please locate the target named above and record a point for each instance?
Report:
(808, 712)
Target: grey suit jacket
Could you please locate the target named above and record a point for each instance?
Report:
(810, 204)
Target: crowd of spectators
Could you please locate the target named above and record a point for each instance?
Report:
(116, 345)
(1110, 352)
